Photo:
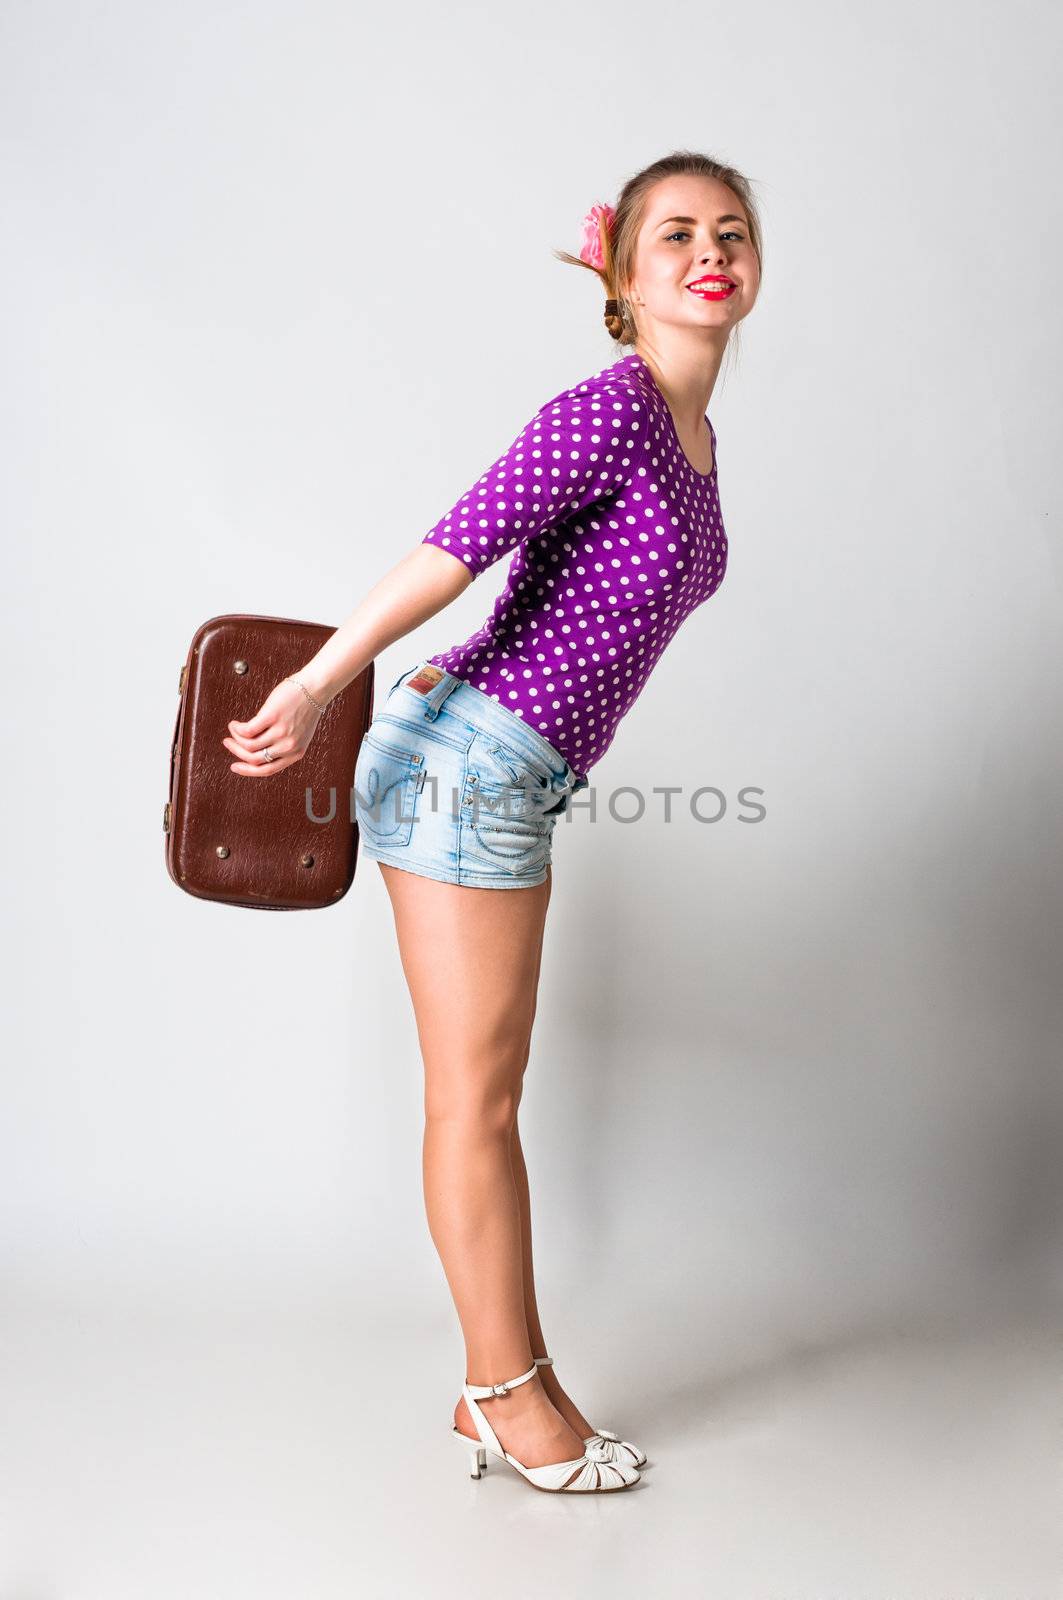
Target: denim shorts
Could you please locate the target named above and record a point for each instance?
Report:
(451, 785)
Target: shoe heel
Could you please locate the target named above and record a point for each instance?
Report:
(476, 1453)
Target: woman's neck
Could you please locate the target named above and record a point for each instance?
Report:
(686, 379)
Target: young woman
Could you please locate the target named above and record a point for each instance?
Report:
(609, 499)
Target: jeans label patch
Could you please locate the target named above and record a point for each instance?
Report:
(425, 679)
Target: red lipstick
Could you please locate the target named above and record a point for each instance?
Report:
(715, 286)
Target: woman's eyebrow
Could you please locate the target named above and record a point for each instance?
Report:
(729, 217)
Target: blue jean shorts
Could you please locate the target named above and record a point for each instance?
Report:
(451, 785)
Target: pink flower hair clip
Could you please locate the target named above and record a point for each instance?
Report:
(590, 249)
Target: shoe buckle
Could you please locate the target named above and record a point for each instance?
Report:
(500, 1388)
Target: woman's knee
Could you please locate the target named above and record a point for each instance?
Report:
(479, 1106)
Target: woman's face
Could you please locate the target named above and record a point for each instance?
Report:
(693, 229)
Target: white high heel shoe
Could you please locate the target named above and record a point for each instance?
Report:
(622, 1450)
(595, 1472)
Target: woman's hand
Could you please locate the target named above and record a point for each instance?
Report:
(284, 726)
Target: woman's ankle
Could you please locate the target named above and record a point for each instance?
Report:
(561, 1403)
(535, 1420)
(525, 1397)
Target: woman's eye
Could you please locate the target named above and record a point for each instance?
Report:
(681, 233)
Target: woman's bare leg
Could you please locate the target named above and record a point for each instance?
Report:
(471, 961)
(539, 1347)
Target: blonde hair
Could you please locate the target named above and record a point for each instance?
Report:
(620, 240)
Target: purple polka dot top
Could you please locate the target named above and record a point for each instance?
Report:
(617, 540)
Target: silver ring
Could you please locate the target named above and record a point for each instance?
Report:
(266, 755)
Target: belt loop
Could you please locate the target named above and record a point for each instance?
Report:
(435, 697)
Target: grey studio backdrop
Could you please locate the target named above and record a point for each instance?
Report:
(277, 287)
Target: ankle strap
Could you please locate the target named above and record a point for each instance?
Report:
(544, 1361)
(483, 1391)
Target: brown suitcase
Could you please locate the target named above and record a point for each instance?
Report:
(254, 841)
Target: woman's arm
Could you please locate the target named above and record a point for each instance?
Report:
(421, 584)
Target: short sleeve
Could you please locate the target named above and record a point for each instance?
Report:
(579, 448)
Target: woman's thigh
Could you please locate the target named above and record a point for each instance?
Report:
(471, 959)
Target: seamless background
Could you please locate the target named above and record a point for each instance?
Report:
(276, 287)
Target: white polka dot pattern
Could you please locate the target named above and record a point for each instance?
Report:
(619, 539)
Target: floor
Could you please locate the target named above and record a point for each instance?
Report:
(216, 1458)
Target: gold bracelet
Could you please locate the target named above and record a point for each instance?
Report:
(309, 696)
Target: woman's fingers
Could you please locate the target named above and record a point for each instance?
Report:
(258, 723)
(252, 749)
(270, 730)
(253, 764)
(263, 769)
(252, 760)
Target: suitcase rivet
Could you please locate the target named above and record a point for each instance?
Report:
(222, 850)
(239, 666)
(306, 861)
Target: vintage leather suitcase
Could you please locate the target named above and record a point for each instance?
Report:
(254, 841)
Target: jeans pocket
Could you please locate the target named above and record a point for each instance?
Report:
(505, 780)
(387, 781)
(509, 765)
(518, 843)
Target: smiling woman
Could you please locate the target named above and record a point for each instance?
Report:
(644, 218)
(607, 505)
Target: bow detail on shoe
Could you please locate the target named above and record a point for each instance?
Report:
(598, 1450)
(620, 1450)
